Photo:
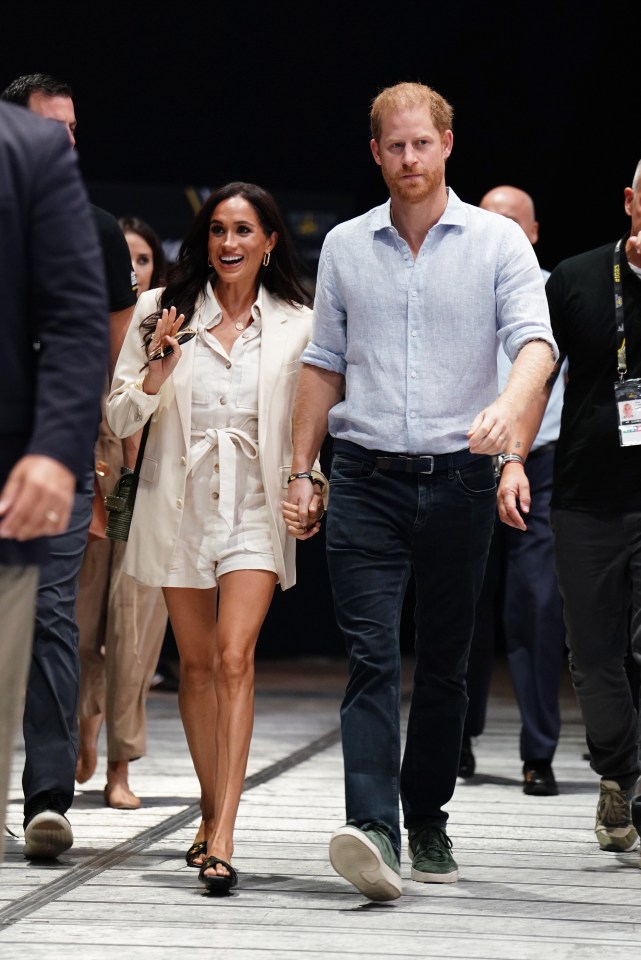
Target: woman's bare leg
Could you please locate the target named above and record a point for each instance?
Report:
(245, 596)
(192, 614)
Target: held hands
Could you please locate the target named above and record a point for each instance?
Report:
(492, 429)
(37, 499)
(303, 511)
(164, 336)
(513, 492)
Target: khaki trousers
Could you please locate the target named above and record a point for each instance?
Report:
(122, 625)
(18, 588)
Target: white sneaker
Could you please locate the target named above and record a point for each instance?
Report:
(356, 855)
(47, 835)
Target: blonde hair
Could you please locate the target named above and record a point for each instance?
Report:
(405, 96)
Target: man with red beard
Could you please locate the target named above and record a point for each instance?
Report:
(401, 369)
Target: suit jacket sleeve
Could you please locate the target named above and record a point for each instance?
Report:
(68, 308)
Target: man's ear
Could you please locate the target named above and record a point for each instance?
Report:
(373, 145)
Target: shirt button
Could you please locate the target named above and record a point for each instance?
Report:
(215, 496)
(223, 400)
(412, 415)
(183, 460)
(217, 467)
(413, 333)
(413, 374)
(179, 503)
(413, 294)
(228, 364)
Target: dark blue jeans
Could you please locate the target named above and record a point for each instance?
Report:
(381, 526)
(50, 724)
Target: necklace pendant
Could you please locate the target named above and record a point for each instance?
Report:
(239, 325)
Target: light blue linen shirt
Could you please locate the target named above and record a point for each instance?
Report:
(416, 340)
(551, 422)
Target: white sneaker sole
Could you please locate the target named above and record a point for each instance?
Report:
(47, 835)
(358, 860)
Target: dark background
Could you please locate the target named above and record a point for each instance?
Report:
(171, 104)
(546, 97)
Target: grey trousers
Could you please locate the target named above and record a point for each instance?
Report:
(598, 565)
(18, 586)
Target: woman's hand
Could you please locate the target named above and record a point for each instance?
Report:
(164, 336)
(291, 517)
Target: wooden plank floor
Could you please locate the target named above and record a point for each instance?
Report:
(533, 881)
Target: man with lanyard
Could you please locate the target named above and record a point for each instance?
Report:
(402, 369)
(595, 310)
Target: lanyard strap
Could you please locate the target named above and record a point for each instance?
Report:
(622, 363)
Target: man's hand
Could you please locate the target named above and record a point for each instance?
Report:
(304, 510)
(633, 249)
(37, 499)
(513, 492)
(492, 429)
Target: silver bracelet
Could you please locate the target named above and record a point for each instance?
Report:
(504, 458)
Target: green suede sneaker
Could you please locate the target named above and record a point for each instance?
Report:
(365, 856)
(614, 829)
(430, 849)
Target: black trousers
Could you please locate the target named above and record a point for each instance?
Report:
(520, 601)
(598, 559)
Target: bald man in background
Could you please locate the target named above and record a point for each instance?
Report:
(520, 591)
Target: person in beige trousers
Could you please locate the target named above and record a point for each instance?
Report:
(122, 623)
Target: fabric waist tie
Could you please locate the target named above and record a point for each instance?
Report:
(226, 439)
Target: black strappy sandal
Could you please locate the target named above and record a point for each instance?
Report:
(197, 848)
(216, 883)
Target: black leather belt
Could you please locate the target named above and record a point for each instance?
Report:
(406, 463)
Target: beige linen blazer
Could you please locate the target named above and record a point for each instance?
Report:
(285, 331)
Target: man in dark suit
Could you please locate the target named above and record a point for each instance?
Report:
(54, 335)
(50, 723)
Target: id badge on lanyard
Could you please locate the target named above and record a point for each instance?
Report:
(627, 393)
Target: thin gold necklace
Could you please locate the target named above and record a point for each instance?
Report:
(239, 323)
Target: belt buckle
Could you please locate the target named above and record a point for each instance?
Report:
(411, 461)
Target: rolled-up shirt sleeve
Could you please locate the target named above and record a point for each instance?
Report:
(328, 342)
(521, 303)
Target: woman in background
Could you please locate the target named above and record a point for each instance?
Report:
(147, 254)
(212, 359)
(122, 623)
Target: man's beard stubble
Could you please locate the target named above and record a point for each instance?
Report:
(416, 191)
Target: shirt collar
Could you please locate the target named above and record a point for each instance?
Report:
(453, 215)
(211, 315)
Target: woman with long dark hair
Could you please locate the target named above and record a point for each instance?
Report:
(212, 359)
